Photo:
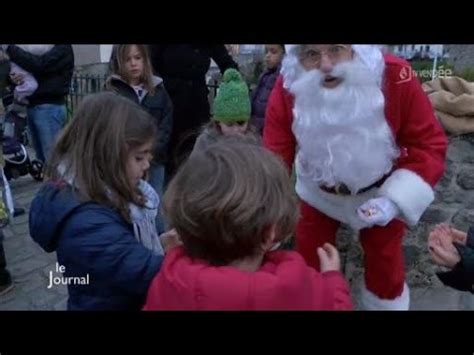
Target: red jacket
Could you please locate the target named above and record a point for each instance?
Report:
(284, 282)
(417, 132)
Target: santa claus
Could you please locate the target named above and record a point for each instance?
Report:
(367, 151)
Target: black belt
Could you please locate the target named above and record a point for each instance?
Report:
(342, 189)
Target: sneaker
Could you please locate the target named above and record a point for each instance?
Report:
(6, 287)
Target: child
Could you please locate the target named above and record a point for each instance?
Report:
(231, 113)
(29, 84)
(273, 57)
(95, 210)
(132, 77)
(231, 205)
(454, 249)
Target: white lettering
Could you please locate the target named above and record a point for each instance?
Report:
(59, 280)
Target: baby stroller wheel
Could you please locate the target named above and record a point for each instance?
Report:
(36, 170)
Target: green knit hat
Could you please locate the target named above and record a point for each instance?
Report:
(232, 102)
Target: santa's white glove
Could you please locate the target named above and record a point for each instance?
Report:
(379, 211)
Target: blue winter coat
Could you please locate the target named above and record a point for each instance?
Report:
(94, 240)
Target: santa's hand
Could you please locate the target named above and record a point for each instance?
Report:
(379, 211)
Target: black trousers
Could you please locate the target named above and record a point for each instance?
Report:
(190, 113)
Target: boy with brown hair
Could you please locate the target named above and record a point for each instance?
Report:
(229, 229)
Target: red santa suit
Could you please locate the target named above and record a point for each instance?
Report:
(399, 154)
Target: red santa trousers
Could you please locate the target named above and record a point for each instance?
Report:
(383, 252)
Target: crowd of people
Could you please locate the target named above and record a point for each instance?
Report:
(165, 207)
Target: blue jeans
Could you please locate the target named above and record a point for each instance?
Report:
(156, 179)
(45, 122)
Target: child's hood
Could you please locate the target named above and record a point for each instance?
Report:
(49, 209)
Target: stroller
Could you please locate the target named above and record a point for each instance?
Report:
(15, 138)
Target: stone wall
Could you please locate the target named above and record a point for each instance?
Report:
(454, 203)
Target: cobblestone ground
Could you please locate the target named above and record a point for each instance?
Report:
(27, 262)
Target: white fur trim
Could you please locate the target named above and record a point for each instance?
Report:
(371, 55)
(371, 302)
(342, 208)
(290, 48)
(364, 50)
(410, 192)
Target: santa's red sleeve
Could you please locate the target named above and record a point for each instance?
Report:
(277, 133)
(422, 143)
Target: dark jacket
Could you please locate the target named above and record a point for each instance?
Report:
(4, 76)
(260, 97)
(461, 277)
(92, 239)
(52, 70)
(158, 105)
(183, 68)
(176, 63)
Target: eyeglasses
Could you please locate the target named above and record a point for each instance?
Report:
(335, 52)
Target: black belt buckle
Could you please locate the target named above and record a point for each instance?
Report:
(342, 189)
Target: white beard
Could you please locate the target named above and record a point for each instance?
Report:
(342, 133)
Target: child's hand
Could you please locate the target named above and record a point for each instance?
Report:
(170, 240)
(441, 248)
(329, 258)
(455, 234)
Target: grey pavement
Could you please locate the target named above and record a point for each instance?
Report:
(30, 267)
(28, 263)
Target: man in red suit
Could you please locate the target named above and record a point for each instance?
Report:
(367, 151)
